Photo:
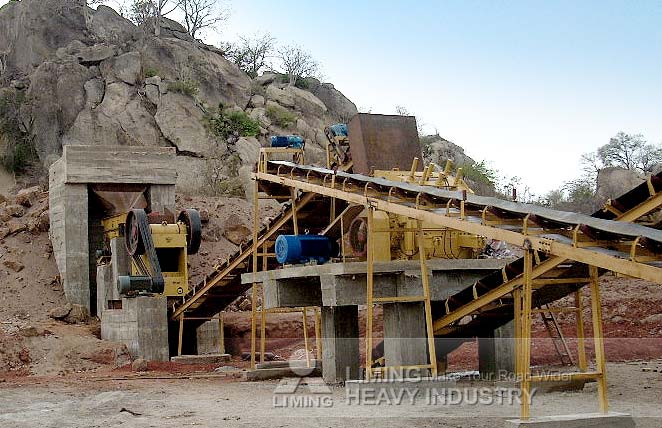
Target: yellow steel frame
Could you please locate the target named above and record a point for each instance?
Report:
(432, 214)
(298, 157)
(521, 287)
(372, 300)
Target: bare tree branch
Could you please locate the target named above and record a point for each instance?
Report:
(252, 54)
(297, 63)
(202, 14)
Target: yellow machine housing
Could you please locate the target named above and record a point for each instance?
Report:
(396, 237)
(170, 242)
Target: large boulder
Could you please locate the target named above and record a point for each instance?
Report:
(92, 55)
(181, 122)
(438, 150)
(614, 181)
(126, 68)
(218, 80)
(56, 97)
(340, 108)
(121, 118)
(108, 25)
(31, 31)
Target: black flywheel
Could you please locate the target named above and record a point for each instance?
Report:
(191, 218)
(135, 245)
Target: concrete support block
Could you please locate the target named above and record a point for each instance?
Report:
(104, 285)
(496, 353)
(209, 359)
(292, 293)
(405, 339)
(209, 338)
(121, 262)
(141, 324)
(76, 275)
(340, 343)
(589, 420)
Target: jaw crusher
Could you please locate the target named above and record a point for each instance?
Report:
(158, 249)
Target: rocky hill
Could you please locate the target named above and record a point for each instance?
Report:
(83, 76)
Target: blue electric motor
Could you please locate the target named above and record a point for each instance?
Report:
(338, 130)
(300, 249)
(289, 141)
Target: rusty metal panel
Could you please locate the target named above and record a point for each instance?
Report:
(383, 142)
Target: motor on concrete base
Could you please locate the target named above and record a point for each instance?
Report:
(294, 249)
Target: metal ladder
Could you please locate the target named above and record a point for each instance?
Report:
(555, 333)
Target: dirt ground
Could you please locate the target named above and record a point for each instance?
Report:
(223, 401)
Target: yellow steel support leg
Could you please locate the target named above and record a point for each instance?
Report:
(181, 334)
(295, 221)
(581, 343)
(425, 279)
(305, 335)
(263, 327)
(263, 312)
(370, 285)
(598, 339)
(256, 227)
(517, 297)
(342, 238)
(526, 335)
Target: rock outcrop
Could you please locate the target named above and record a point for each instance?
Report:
(92, 77)
(438, 150)
(614, 181)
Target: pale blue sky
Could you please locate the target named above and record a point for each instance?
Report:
(526, 85)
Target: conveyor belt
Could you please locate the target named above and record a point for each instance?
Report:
(223, 285)
(516, 223)
(640, 201)
(523, 222)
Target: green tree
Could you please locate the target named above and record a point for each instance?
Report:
(630, 151)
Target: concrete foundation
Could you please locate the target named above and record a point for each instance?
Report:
(141, 324)
(339, 288)
(80, 168)
(496, 353)
(405, 338)
(340, 343)
(597, 420)
(209, 338)
(107, 294)
(201, 359)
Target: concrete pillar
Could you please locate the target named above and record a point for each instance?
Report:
(209, 338)
(69, 226)
(496, 352)
(107, 275)
(141, 324)
(292, 293)
(161, 198)
(121, 262)
(104, 285)
(405, 338)
(340, 343)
